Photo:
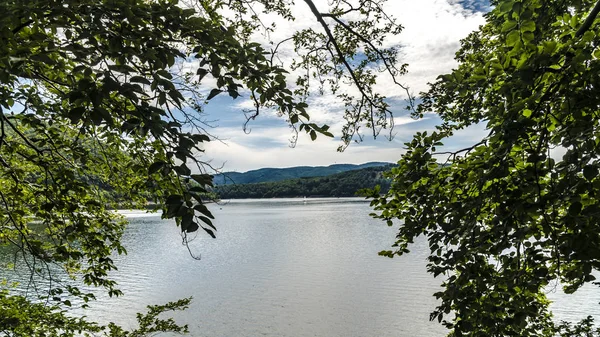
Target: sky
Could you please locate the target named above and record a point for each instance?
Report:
(431, 35)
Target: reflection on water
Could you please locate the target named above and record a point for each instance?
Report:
(286, 267)
(278, 268)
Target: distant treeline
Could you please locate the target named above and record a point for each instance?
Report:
(269, 174)
(344, 184)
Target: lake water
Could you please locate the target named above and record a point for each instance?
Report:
(285, 267)
(278, 268)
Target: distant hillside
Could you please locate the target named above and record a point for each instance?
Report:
(279, 174)
(343, 184)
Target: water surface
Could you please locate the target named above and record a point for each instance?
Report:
(287, 267)
(280, 267)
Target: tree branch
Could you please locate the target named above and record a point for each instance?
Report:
(589, 20)
(388, 66)
(277, 47)
(341, 57)
(25, 139)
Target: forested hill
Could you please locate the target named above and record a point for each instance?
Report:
(343, 184)
(279, 174)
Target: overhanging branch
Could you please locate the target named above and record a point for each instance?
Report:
(589, 20)
(341, 57)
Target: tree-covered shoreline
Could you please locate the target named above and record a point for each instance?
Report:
(345, 184)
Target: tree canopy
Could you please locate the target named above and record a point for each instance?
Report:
(103, 95)
(344, 184)
(518, 211)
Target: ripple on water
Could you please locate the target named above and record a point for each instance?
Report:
(285, 268)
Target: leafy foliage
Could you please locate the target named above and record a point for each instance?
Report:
(102, 96)
(345, 184)
(21, 317)
(518, 210)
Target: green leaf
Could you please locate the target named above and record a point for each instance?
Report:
(210, 232)
(183, 170)
(233, 93)
(76, 114)
(198, 189)
(213, 93)
(203, 179)
(590, 172)
(575, 208)
(164, 74)
(155, 167)
(207, 221)
(199, 138)
(186, 221)
(509, 25)
(513, 37)
(44, 58)
(204, 210)
(140, 79)
(201, 72)
(528, 26)
(588, 36)
(122, 68)
(174, 199)
(193, 227)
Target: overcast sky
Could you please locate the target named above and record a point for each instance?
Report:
(432, 30)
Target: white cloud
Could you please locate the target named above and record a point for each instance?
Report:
(237, 155)
(432, 31)
(270, 146)
(431, 35)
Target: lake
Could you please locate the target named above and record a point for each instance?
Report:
(279, 267)
(286, 267)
